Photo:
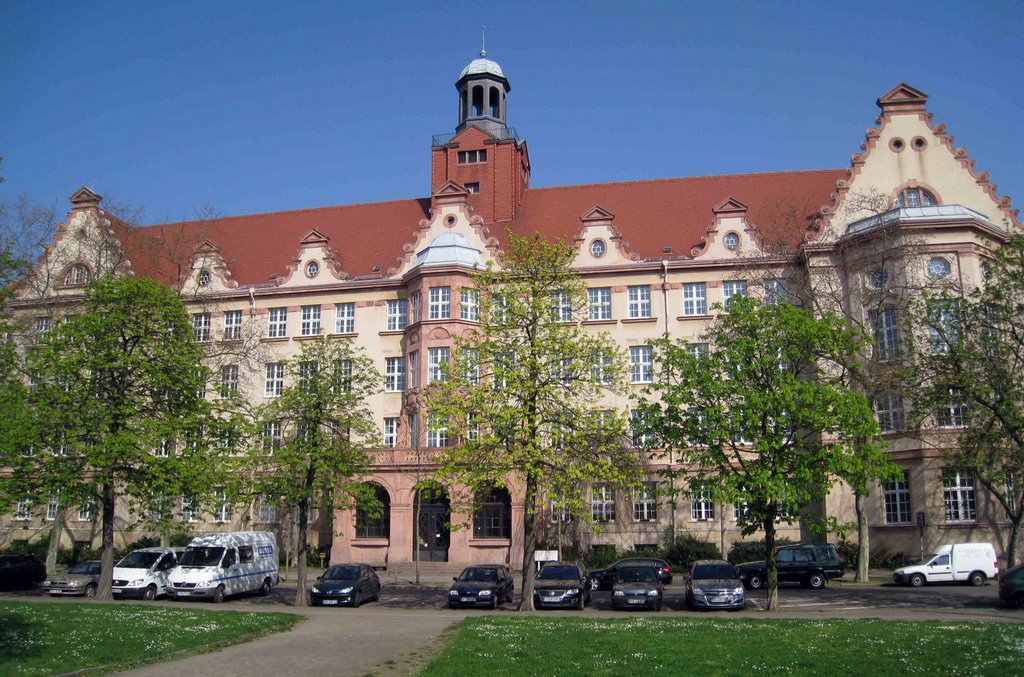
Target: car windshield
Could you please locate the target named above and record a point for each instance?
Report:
(201, 557)
(558, 572)
(343, 573)
(139, 560)
(85, 568)
(712, 571)
(636, 575)
(477, 575)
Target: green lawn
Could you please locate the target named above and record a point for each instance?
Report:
(50, 638)
(714, 646)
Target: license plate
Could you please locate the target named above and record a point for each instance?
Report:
(720, 599)
(329, 602)
(467, 599)
(550, 599)
(637, 601)
(56, 592)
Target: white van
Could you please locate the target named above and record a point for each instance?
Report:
(217, 565)
(142, 574)
(964, 562)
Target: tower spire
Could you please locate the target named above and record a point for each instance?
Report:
(483, 42)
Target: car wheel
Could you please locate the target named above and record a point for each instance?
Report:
(218, 594)
(90, 590)
(755, 581)
(917, 580)
(150, 593)
(265, 588)
(977, 578)
(357, 600)
(816, 581)
(1018, 601)
(582, 603)
(453, 605)
(494, 601)
(595, 584)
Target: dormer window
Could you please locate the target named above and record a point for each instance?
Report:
(597, 248)
(77, 276)
(732, 241)
(204, 278)
(312, 269)
(915, 197)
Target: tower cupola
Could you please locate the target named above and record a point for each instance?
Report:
(482, 94)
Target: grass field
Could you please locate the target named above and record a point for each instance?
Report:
(42, 639)
(710, 646)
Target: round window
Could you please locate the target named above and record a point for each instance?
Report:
(204, 278)
(938, 268)
(312, 269)
(732, 241)
(597, 248)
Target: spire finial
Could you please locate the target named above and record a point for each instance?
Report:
(483, 42)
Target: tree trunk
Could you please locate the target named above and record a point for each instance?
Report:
(771, 571)
(1013, 556)
(529, 543)
(103, 590)
(863, 539)
(55, 533)
(300, 576)
(416, 532)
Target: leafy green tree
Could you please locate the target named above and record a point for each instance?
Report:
(969, 372)
(326, 427)
(524, 399)
(109, 386)
(762, 414)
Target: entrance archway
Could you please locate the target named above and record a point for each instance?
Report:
(432, 515)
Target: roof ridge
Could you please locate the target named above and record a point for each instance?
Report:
(289, 211)
(688, 178)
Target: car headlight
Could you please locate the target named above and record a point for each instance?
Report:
(652, 593)
(698, 591)
(618, 593)
(485, 593)
(345, 591)
(137, 582)
(73, 584)
(315, 589)
(738, 591)
(573, 591)
(453, 593)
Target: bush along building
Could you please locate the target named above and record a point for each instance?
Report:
(909, 213)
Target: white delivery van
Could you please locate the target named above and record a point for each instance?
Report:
(142, 574)
(216, 565)
(972, 563)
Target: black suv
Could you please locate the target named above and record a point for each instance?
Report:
(21, 571)
(810, 565)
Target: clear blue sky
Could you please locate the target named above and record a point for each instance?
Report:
(265, 106)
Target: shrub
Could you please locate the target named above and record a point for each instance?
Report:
(687, 549)
(144, 542)
(600, 556)
(180, 540)
(881, 558)
(752, 551)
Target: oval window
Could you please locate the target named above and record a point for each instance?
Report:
(204, 278)
(732, 241)
(312, 269)
(597, 248)
(938, 268)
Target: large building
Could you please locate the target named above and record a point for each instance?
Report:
(909, 211)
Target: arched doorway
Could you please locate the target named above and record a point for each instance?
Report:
(431, 517)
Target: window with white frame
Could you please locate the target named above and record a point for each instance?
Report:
(232, 325)
(472, 427)
(310, 321)
(469, 308)
(52, 507)
(189, 509)
(775, 292)
(275, 379)
(267, 512)
(641, 366)
(391, 431)
(223, 511)
(42, 325)
(638, 301)
(698, 351)
(943, 325)
(469, 362)
(602, 503)
(277, 326)
(599, 303)
(641, 433)
(437, 431)
(23, 511)
(272, 436)
(561, 307)
(394, 374)
(345, 318)
(201, 326)
(77, 276)
(731, 288)
(416, 306)
(702, 504)
(562, 371)
(740, 510)
(308, 372)
(500, 306)
(695, 298)
(896, 498)
(889, 410)
(398, 314)
(343, 374)
(503, 363)
(958, 495)
(414, 369)
(645, 503)
(887, 333)
(229, 380)
(952, 410)
(85, 512)
(414, 430)
(601, 368)
(440, 307)
(435, 358)
(164, 448)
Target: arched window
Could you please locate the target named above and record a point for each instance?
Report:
(495, 103)
(493, 516)
(462, 106)
(77, 276)
(478, 100)
(373, 513)
(915, 197)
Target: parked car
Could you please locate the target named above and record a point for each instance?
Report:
(1011, 586)
(603, 579)
(216, 565)
(972, 563)
(714, 584)
(350, 584)
(485, 585)
(637, 587)
(811, 565)
(563, 585)
(21, 571)
(80, 579)
(143, 573)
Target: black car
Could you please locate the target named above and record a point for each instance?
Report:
(562, 585)
(486, 585)
(1011, 586)
(810, 565)
(714, 584)
(21, 571)
(637, 588)
(350, 584)
(603, 579)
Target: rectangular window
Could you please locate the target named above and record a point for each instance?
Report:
(470, 365)
(437, 431)
(561, 307)
(470, 307)
(416, 300)
(889, 409)
(232, 325)
(189, 509)
(732, 288)
(394, 374)
(958, 495)
(435, 358)
(42, 325)
(310, 320)
(887, 333)
(414, 369)
(775, 292)
(52, 506)
(275, 379)
(229, 380)
(278, 323)
(953, 412)
(343, 374)
(472, 156)
(85, 512)
(943, 325)
(440, 307)
(600, 303)
(473, 186)
(163, 449)
(23, 510)
(271, 438)
(642, 436)
(641, 367)
(645, 505)
(503, 364)
(398, 314)
(390, 432)
(602, 503)
(698, 351)
(639, 301)
(702, 505)
(201, 326)
(896, 495)
(695, 299)
(601, 369)
(308, 372)
(344, 318)
(267, 512)
(472, 427)
(224, 510)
